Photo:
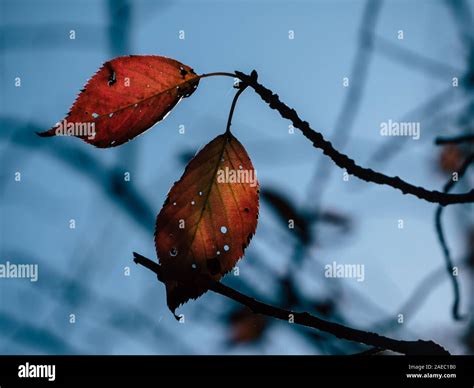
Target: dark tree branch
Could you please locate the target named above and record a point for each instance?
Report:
(466, 138)
(305, 319)
(442, 239)
(342, 160)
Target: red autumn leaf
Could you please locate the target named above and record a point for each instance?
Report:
(208, 219)
(125, 97)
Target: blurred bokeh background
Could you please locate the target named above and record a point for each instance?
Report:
(87, 271)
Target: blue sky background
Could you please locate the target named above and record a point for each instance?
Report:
(81, 271)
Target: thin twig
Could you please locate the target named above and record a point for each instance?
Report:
(342, 160)
(442, 239)
(305, 319)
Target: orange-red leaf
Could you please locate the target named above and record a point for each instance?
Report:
(125, 97)
(208, 218)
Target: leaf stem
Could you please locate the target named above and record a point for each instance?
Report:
(218, 74)
(242, 87)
